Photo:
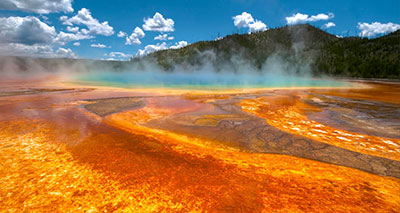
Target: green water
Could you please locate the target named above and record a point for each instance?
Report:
(202, 80)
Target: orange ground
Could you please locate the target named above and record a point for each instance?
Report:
(55, 156)
(290, 117)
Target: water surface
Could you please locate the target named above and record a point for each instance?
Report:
(203, 80)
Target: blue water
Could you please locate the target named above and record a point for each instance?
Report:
(201, 80)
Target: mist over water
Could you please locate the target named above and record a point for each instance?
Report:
(211, 73)
(237, 73)
(284, 67)
(208, 80)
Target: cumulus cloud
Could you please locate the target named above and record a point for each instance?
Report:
(179, 44)
(73, 29)
(296, 18)
(303, 18)
(84, 17)
(28, 36)
(376, 28)
(257, 26)
(158, 23)
(98, 45)
(118, 56)
(63, 37)
(329, 25)
(321, 16)
(36, 50)
(122, 34)
(25, 30)
(84, 31)
(77, 44)
(243, 20)
(135, 37)
(65, 52)
(26, 50)
(163, 37)
(151, 48)
(246, 20)
(37, 6)
(157, 47)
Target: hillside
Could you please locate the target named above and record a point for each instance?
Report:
(300, 45)
(362, 57)
(253, 48)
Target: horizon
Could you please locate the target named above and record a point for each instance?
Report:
(236, 33)
(89, 30)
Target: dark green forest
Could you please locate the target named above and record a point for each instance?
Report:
(299, 44)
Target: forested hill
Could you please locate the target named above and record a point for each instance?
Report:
(362, 57)
(301, 45)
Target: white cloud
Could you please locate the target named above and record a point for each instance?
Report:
(151, 48)
(98, 45)
(243, 20)
(179, 44)
(329, 25)
(44, 17)
(84, 31)
(302, 18)
(296, 18)
(376, 28)
(157, 47)
(119, 55)
(122, 34)
(158, 23)
(28, 36)
(73, 29)
(37, 6)
(64, 37)
(135, 36)
(246, 20)
(257, 26)
(77, 44)
(36, 50)
(321, 16)
(63, 52)
(25, 30)
(163, 37)
(63, 18)
(84, 17)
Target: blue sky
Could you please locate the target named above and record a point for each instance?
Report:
(185, 21)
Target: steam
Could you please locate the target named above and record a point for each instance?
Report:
(14, 67)
(207, 69)
(235, 72)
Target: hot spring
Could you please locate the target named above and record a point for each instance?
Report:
(210, 80)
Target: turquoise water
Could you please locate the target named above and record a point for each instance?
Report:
(201, 80)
